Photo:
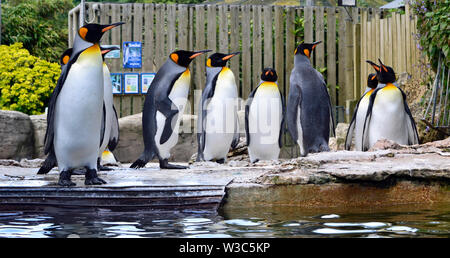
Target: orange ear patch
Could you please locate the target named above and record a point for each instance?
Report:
(208, 62)
(65, 59)
(174, 57)
(83, 31)
(306, 51)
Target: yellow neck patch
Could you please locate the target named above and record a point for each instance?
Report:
(268, 84)
(208, 62)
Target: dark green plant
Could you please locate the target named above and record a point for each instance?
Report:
(433, 25)
(41, 26)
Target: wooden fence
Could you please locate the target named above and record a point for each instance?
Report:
(266, 36)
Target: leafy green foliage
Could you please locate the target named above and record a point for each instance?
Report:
(26, 81)
(434, 28)
(41, 25)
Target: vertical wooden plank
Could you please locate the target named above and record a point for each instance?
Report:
(331, 53)
(200, 44)
(408, 38)
(127, 35)
(290, 45)
(308, 24)
(69, 30)
(160, 33)
(137, 36)
(357, 61)
(149, 41)
(341, 57)
(403, 44)
(320, 36)
(234, 43)
(279, 48)
(246, 50)
(183, 32)
(299, 38)
(349, 87)
(223, 29)
(190, 105)
(115, 64)
(268, 36)
(363, 64)
(171, 27)
(373, 29)
(212, 28)
(399, 52)
(394, 42)
(256, 50)
(377, 33)
(390, 40)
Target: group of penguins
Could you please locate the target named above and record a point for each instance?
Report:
(82, 122)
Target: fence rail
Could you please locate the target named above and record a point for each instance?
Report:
(266, 36)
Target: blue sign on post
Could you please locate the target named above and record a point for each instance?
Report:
(132, 54)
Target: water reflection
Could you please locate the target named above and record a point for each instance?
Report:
(406, 221)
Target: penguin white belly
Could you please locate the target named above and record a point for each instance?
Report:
(359, 122)
(264, 121)
(221, 117)
(300, 132)
(78, 115)
(388, 119)
(178, 96)
(108, 100)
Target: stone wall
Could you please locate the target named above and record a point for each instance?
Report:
(16, 135)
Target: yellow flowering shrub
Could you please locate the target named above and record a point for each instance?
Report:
(26, 81)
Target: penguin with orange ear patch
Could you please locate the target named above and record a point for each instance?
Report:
(75, 108)
(388, 115)
(359, 115)
(164, 104)
(309, 111)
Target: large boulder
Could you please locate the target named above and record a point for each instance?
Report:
(131, 144)
(16, 135)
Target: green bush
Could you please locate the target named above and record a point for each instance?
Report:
(26, 81)
(41, 25)
(433, 26)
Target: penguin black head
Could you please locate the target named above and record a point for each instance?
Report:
(387, 74)
(184, 57)
(106, 50)
(306, 48)
(93, 32)
(219, 59)
(269, 75)
(65, 57)
(372, 81)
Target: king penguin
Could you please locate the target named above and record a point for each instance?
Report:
(388, 115)
(110, 121)
(163, 107)
(218, 124)
(75, 110)
(357, 122)
(309, 111)
(264, 118)
(110, 137)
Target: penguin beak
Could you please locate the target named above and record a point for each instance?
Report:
(382, 65)
(315, 44)
(108, 27)
(230, 56)
(109, 49)
(375, 66)
(199, 53)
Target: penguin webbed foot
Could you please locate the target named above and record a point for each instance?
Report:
(220, 161)
(164, 164)
(139, 163)
(101, 167)
(92, 178)
(64, 179)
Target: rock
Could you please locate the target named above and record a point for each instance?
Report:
(131, 144)
(385, 144)
(16, 135)
(338, 142)
(39, 123)
(31, 163)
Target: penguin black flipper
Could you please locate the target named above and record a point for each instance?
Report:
(365, 134)
(283, 104)
(294, 102)
(247, 111)
(114, 136)
(351, 127)
(236, 135)
(102, 128)
(49, 163)
(207, 94)
(413, 135)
